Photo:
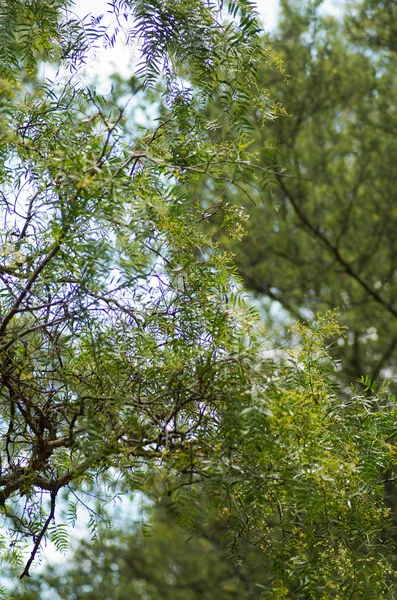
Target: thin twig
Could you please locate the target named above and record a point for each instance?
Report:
(51, 516)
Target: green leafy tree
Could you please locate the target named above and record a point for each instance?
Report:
(115, 345)
(163, 560)
(128, 359)
(295, 474)
(322, 234)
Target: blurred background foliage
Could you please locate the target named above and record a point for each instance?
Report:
(323, 233)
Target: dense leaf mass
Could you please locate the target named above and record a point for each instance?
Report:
(322, 234)
(129, 360)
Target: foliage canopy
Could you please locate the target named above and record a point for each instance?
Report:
(128, 358)
(322, 235)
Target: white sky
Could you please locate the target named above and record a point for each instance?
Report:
(107, 61)
(267, 8)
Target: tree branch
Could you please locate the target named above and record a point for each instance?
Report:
(51, 516)
(348, 269)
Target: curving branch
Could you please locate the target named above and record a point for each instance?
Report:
(347, 267)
